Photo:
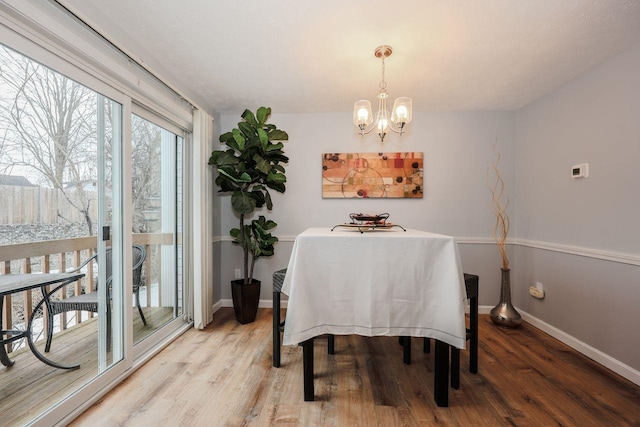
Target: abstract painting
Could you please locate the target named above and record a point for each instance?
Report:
(372, 175)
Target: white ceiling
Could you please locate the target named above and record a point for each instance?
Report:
(317, 56)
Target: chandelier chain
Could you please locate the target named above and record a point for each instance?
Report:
(383, 83)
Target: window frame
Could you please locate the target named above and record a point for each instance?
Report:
(38, 30)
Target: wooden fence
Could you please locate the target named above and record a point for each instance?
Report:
(38, 205)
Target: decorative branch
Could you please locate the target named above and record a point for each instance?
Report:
(502, 224)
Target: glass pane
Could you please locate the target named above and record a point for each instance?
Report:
(56, 174)
(109, 248)
(157, 221)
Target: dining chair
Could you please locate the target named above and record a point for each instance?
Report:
(278, 280)
(89, 301)
(278, 325)
(471, 283)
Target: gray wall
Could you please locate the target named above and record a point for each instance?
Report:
(457, 149)
(581, 237)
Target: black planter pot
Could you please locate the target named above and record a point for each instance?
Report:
(245, 300)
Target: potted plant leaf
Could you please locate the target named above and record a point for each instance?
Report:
(250, 166)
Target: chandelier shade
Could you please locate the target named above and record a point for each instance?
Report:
(362, 116)
(400, 114)
(401, 111)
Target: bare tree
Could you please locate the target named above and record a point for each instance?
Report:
(146, 153)
(48, 124)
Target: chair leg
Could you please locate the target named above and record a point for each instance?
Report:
(109, 337)
(331, 344)
(426, 345)
(276, 329)
(455, 367)
(144, 321)
(473, 326)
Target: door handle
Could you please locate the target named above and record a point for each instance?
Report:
(106, 233)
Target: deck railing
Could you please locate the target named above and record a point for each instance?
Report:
(59, 256)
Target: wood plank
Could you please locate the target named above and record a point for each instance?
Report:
(42, 386)
(223, 376)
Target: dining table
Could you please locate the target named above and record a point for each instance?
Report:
(387, 281)
(48, 283)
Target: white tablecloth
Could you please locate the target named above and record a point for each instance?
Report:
(376, 283)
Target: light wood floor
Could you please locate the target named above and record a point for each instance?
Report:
(222, 376)
(30, 387)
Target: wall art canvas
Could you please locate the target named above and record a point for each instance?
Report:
(372, 175)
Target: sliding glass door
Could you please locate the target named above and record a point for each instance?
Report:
(62, 202)
(109, 252)
(85, 185)
(156, 190)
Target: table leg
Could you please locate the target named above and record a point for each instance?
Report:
(406, 350)
(441, 374)
(307, 369)
(4, 358)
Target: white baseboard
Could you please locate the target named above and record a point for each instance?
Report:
(604, 359)
(264, 303)
(217, 306)
(484, 309)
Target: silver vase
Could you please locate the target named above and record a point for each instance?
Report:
(504, 314)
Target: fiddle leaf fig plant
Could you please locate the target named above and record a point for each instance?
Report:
(250, 166)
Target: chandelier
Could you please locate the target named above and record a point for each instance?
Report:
(401, 113)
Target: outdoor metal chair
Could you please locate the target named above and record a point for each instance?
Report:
(89, 301)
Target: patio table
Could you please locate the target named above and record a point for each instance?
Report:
(14, 283)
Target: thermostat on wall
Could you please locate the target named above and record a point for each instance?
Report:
(580, 171)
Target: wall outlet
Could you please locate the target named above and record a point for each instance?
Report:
(580, 171)
(238, 273)
(536, 293)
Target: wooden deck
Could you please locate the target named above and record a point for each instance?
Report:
(30, 387)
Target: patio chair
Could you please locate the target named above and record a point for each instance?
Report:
(89, 301)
